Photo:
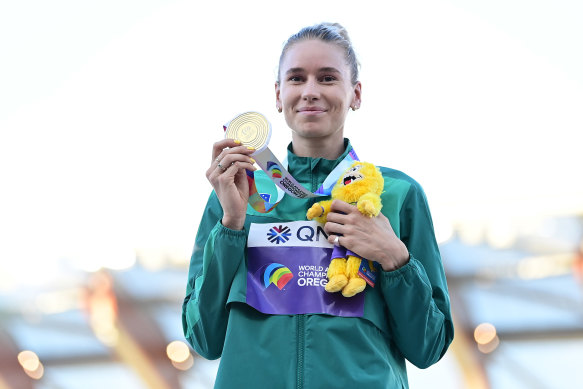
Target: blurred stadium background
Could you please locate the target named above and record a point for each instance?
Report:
(107, 114)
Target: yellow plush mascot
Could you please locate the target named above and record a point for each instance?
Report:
(360, 185)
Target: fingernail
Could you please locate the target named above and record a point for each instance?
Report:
(237, 141)
(251, 148)
(252, 160)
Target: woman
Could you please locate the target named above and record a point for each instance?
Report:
(407, 313)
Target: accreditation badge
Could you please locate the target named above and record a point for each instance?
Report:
(287, 265)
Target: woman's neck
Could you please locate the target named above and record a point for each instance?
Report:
(318, 147)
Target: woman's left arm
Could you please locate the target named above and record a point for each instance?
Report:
(413, 281)
(416, 294)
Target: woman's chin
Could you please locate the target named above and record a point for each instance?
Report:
(314, 130)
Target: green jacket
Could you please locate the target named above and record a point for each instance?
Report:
(406, 315)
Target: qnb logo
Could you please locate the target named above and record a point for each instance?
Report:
(279, 234)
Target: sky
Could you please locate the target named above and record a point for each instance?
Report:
(108, 111)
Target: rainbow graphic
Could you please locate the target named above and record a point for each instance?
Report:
(274, 169)
(276, 274)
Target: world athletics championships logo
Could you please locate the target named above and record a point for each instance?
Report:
(279, 234)
(274, 169)
(276, 274)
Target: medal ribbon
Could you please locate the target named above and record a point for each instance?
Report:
(253, 130)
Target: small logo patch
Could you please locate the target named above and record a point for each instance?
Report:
(274, 169)
(276, 274)
(266, 197)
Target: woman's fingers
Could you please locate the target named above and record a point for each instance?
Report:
(371, 237)
(223, 144)
(240, 161)
(229, 172)
(237, 155)
(342, 213)
(228, 178)
(340, 222)
(227, 146)
(342, 207)
(228, 158)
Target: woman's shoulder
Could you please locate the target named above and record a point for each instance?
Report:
(402, 190)
(399, 176)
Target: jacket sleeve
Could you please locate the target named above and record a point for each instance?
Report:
(217, 254)
(416, 294)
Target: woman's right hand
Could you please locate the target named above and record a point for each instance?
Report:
(229, 180)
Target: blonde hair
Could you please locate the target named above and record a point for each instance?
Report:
(326, 32)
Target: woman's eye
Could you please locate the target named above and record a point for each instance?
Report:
(295, 79)
(328, 78)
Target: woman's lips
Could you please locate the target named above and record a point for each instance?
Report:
(311, 110)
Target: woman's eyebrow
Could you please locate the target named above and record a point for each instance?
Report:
(294, 70)
(327, 69)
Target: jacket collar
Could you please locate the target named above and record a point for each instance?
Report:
(304, 168)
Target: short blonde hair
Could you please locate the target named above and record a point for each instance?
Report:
(326, 32)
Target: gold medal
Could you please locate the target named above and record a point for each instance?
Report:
(251, 128)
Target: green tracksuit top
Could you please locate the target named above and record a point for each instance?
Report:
(406, 315)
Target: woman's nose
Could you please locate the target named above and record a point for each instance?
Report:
(311, 90)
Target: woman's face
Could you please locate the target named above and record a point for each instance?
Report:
(315, 90)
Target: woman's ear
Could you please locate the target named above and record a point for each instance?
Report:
(278, 104)
(357, 96)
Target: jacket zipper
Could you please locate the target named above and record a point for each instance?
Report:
(300, 337)
(301, 318)
(301, 323)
